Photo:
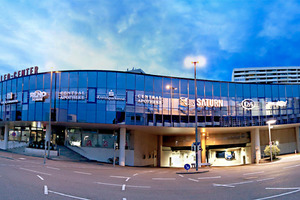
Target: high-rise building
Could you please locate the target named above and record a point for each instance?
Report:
(267, 75)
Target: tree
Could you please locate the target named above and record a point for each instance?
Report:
(275, 151)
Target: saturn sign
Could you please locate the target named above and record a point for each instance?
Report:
(248, 104)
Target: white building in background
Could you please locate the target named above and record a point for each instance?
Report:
(267, 75)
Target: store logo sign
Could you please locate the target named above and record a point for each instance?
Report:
(111, 97)
(71, 95)
(10, 99)
(38, 95)
(277, 103)
(248, 104)
(149, 99)
(201, 102)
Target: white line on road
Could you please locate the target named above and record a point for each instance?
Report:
(163, 179)
(119, 177)
(85, 173)
(253, 173)
(35, 171)
(22, 158)
(212, 177)
(191, 179)
(67, 195)
(45, 189)
(127, 179)
(223, 185)
(53, 168)
(265, 179)
(291, 166)
(240, 183)
(40, 177)
(123, 187)
(135, 174)
(180, 175)
(124, 198)
(282, 194)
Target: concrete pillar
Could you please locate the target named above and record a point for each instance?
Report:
(6, 137)
(122, 146)
(297, 138)
(203, 146)
(159, 149)
(255, 146)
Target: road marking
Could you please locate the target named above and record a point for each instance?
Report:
(251, 177)
(45, 189)
(53, 168)
(35, 171)
(110, 184)
(77, 172)
(282, 194)
(119, 177)
(265, 179)
(191, 179)
(22, 158)
(212, 177)
(127, 179)
(253, 173)
(163, 179)
(180, 175)
(291, 166)
(123, 187)
(135, 174)
(124, 198)
(240, 183)
(40, 177)
(67, 195)
(223, 185)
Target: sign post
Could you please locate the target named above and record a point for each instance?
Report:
(187, 167)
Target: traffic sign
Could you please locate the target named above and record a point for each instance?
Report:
(14, 134)
(187, 166)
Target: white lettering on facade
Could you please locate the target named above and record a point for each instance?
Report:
(38, 95)
(71, 95)
(149, 99)
(277, 103)
(184, 101)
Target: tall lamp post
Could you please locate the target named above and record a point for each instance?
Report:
(196, 120)
(48, 135)
(270, 141)
(171, 88)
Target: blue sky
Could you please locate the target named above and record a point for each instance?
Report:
(154, 35)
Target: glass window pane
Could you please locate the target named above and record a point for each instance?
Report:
(92, 79)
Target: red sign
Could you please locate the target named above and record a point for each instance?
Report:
(20, 73)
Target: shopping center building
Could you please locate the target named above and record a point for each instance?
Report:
(150, 118)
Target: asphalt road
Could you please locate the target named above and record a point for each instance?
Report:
(24, 177)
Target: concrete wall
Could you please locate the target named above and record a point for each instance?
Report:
(39, 152)
(103, 154)
(145, 146)
(13, 144)
(285, 137)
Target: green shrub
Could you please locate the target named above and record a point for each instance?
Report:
(275, 151)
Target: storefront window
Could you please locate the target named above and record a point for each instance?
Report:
(74, 137)
(105, 140)
(89, 138)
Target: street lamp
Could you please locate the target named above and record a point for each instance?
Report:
(171, 88)
(270, 141)
(196, 119)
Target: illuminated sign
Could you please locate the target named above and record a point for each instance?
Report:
(277, 103)
(149, 99)
(71, 95)
(248, 104)
(111, 97)
(184, 101)
(20, 73)
(38, 95)
(10, 99)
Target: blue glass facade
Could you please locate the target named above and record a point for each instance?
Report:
(110, 97)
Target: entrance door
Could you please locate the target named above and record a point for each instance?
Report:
(60, 135)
